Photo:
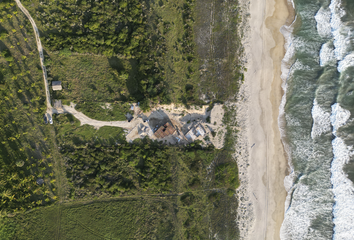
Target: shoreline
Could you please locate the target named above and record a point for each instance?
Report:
(262, 161)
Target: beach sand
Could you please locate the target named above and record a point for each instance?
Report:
(267, 164)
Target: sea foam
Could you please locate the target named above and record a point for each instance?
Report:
(327, 55)
(343, 189)
(336, 27)
(321, 120)
(348, 61)
(323, 18)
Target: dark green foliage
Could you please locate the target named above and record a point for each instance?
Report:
(105, 27)
(25, 154)
(126, 168)
(100, 111)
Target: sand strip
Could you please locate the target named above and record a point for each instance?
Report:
(267, 165)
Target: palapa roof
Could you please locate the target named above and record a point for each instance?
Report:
(165, 131)
(56, 85)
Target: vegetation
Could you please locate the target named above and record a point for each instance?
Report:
(113, 29)
(113, 52)
(115, 219)
(153, 49)
(105, 112)
(96, 165)
(25, 154)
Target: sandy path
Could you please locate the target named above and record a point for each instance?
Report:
(268, 165)
(96, 123)
(40, 50)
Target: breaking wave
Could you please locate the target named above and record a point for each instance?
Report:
(320, 51)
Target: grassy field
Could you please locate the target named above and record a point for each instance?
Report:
(90, 79)
(188, 216)
(116, 219)
(69, 132)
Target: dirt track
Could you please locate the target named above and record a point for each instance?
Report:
(41, 56)
(95, 123)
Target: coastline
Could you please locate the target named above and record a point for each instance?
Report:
(262, 161)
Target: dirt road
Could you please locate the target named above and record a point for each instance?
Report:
(95, 123)
(41, 56)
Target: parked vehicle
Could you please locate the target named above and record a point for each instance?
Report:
(50, 119)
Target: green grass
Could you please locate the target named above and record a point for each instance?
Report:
(190, 216)
(180, 67)
(69, 132)
(100, 111)
(115, 219)
(91, 79)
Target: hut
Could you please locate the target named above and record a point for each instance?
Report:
(165, 131)
(56, 85)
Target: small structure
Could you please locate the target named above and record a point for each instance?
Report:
(144, 130)
(195, 131)
(190, 135)
(165, 131)
(199, 130)
(57, 104)
(56, 85)
(129, 117)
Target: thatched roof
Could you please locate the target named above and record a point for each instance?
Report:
(56, 85)
(165, 131)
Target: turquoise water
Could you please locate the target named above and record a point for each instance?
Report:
(317, 124)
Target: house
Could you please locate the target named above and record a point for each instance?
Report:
(165, 130)
(56, 85)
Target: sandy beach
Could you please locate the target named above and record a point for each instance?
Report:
(266, 162)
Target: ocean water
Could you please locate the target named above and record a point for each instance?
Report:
(317, 120)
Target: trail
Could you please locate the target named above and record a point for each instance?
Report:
(95, 123)
(41, 56)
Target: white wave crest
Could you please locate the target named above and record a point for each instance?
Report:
(323, 18)
(327, 54)
(348, 61)
(321, 121)
(307, 204)
(338, 117)
(336, 25)
(343, 188)
(297, 213)
(286, 63)
(285, 71)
